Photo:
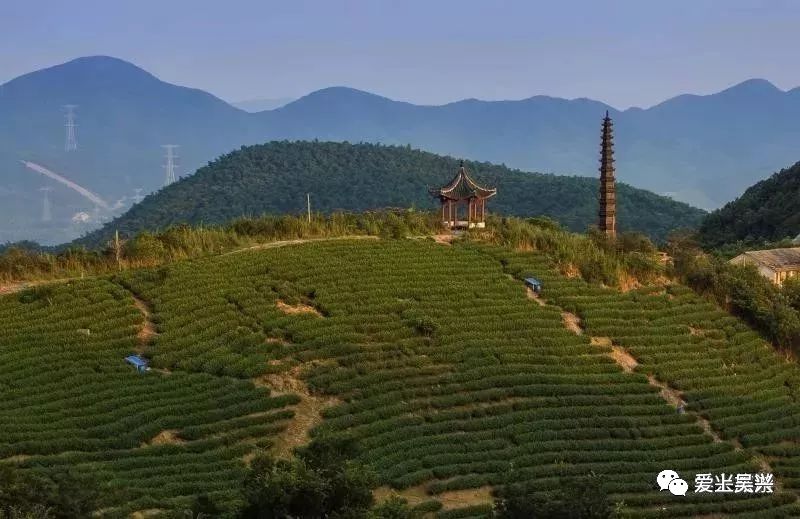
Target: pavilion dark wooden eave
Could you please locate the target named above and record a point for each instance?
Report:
(463, 187)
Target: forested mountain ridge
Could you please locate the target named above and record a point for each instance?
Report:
(766, 212)
(702, 149)
(275, 177)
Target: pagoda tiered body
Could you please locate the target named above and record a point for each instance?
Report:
(607, 217)
(463, 201)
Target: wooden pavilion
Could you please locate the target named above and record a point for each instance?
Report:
(463, 193)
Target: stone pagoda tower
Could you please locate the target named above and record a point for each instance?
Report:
(607, 217)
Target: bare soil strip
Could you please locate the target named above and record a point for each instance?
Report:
(674, 398)
(284, 243)
(572, 322)
(299, 308)
(307, 413)
(17, 458)
(443, 239)
(697, 332)
(534, 296)
(166, 437)
(148, 329)
(600, 341)
(623, 358)
(414, 495)
(463, 498)
(17, 286)
(450, 500)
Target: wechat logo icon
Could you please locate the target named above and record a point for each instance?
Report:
(670, 480)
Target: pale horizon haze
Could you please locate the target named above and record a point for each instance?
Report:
(622, 52)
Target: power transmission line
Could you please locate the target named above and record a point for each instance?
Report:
(46, 214)
(170, 163)
(71, 138)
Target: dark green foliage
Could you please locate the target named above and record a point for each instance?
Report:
(320, 482)
(62, 495)
(33, 294)
(596, 257)
(203, 507)
(766, 212)
(575, 498)
(741, 289)
(791, 290)
(275, 177)
(425, 326)
(635, 242)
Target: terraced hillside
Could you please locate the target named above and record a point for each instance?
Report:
(454, 381)
(68, 400)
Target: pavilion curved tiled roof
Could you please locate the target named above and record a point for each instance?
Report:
(462, 187)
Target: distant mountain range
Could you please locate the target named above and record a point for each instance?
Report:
(275, 177)
(701, 149)
(259, 105)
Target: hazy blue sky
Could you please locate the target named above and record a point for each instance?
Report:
(624, 52)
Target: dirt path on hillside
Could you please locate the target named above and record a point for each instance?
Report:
(675, 398)
(299, 308)
(450, 499)
(165, 437)
(628, 363)
(284, 243)
(534, 296)
(307, 413)
(17, 286)
(148, 329)
(443, 239)
(624, 359)
(572, 322)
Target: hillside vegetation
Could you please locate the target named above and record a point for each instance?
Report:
(630, 260)
(766, 212)
(275, 177)
(453, 381)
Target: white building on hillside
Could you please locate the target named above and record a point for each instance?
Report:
(775, 264)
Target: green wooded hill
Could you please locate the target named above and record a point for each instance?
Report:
(432, 358)
(275, 177)
(767, 212)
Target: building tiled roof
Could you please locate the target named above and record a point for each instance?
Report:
(777, 259)
(462, 187)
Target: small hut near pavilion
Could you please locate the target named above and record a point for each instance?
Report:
(463, 201)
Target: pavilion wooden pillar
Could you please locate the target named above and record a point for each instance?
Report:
(451, 212)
